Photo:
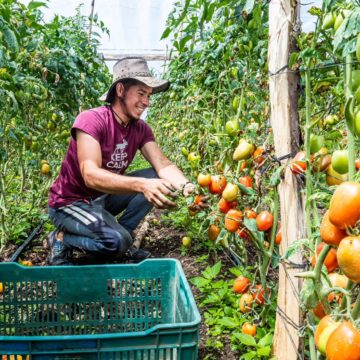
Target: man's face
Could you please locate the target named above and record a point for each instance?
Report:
(136, 100)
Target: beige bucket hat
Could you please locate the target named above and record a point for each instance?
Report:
(134, 68)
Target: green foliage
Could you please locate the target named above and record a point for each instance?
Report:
(48, 72)
(223, 317)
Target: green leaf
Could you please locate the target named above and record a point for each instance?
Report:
(248, 356)
(166, 33)
(9, 38)
(211, 272)
(307, 295)
(228, 322)
(349, 28)
(295, 247)
(266, 340)
(200, 282)
(264, 351)
(36, 4)
(293, 59)
(245, 339)
(251, 225)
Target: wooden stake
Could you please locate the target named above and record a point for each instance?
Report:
(284, 94)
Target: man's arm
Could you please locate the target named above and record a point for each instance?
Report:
(165, 168)
(89, 156)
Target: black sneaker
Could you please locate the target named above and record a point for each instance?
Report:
(136, 255)
(59, 253)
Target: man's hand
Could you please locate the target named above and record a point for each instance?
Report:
(188, 189)
(156, 190)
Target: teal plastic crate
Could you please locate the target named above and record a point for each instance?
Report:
(143, 311)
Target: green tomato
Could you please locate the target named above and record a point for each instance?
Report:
(243, 151)
(235, 103)
(184, 151)
(331, 120)
(329, 20)
(232, 127)
(234, 72)
(340, 18)
(316, 143)
(340, 161)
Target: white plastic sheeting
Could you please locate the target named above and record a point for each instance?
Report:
(136, 25)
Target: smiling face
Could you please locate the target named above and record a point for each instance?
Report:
(133, 100)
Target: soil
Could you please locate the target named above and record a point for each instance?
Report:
(162, 242)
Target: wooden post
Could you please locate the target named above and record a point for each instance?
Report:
(284, 94)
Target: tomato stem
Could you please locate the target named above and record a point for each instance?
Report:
(350, 134)
(356, 310)
(307, 150)
(319, 288)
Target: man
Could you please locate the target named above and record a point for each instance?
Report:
(92, 188)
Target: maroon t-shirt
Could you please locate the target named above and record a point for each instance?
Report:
(118, 146)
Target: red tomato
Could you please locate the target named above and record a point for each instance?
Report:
(218, 184)
(264, 220)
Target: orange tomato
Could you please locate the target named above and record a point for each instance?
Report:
(357, 164)
(319, 310)
(259, 294)
(204, 179)
(325, 328)
(248, 329)
(298, 166)
(218, 184)
(224, 206)
(233, 220)
(344, 343)
(264, 220)
(246, 302)
(250, 214)
(324, 323)
(349, 257)
(338, 280)
(243, 165)
(198, 199)
(329, 233)
(258, 158)
(213, 232)
(241, 284)
(331, 261)
(278, 238)
(246, 181)
(344, 208)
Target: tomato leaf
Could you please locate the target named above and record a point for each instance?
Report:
(228, 322)
(347, 30)
(200, 282)
(307, 295)
(264, 351)
(213, 271)
(295, 247)
(245, 339)
(248, 356)
(251, 225)
(266, 340)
